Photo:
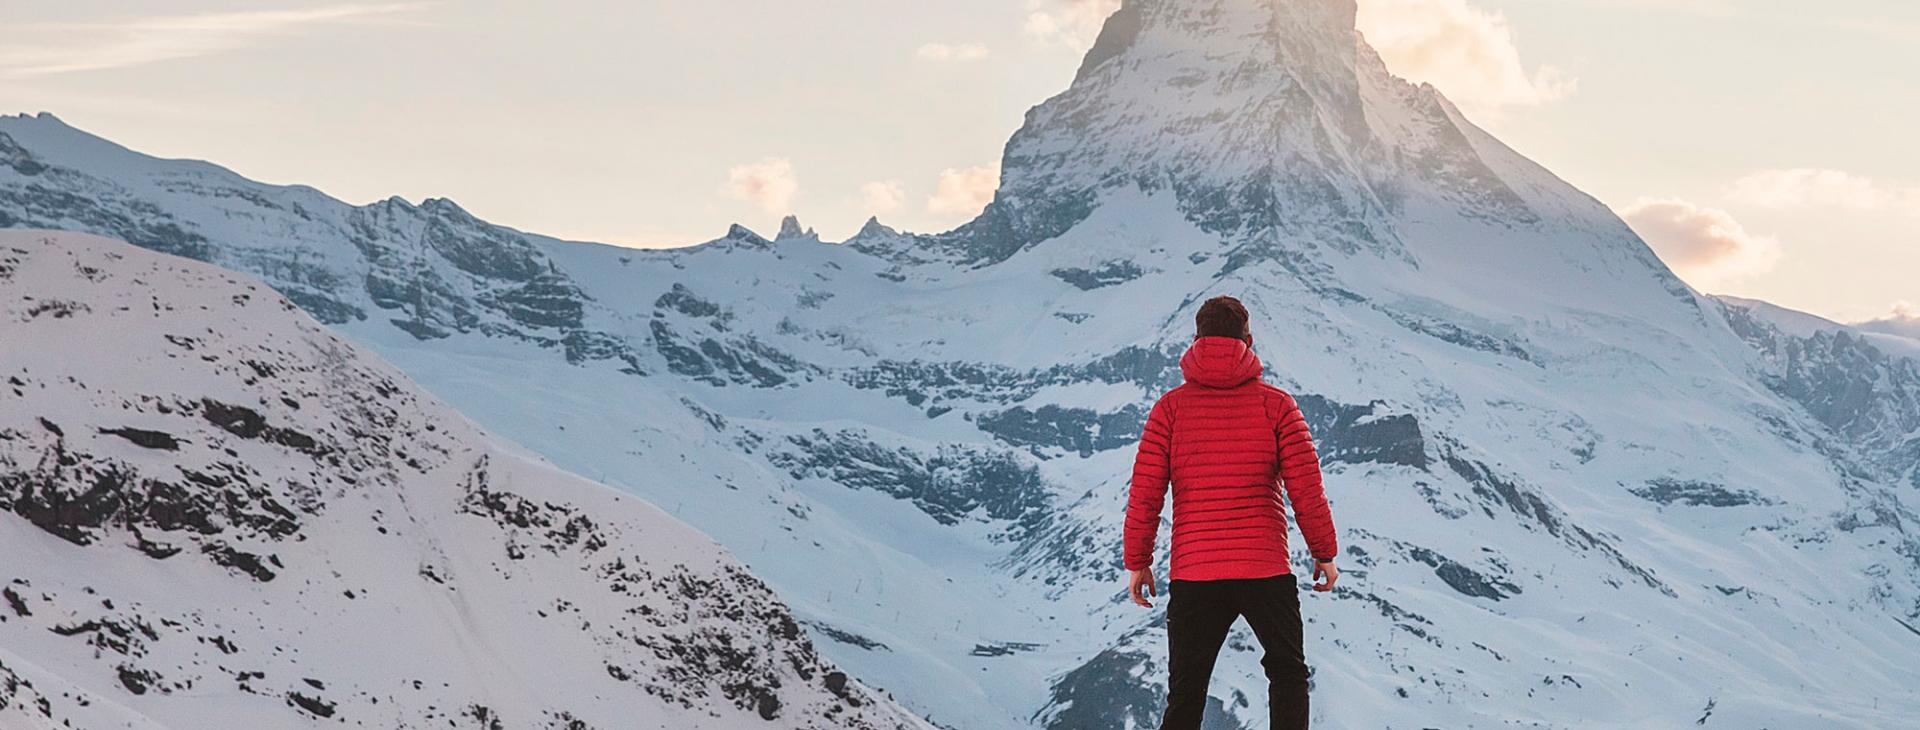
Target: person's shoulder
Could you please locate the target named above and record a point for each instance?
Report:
(1277, 402)
(1275, 393)
(1169, 402)
(1170, 397)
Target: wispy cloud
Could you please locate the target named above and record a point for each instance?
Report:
(42, 49)
(1467, 52)
(1705, 246)
(769, 183)
(882, 197)
(964, 192)
(952, 52)
(1717, 8)
(1071, 23)
(1904, 320)
(1809, 187)
(1894, 31)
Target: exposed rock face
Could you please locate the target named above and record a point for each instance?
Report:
(1867, 393)
(225, 516)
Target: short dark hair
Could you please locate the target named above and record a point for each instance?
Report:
(1222, 317)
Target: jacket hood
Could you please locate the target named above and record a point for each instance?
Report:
(1220, 362)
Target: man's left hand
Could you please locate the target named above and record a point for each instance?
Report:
(1325, 575)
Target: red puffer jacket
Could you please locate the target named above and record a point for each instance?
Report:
(1228, 442)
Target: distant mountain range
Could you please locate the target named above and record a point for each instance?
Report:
(1573, 491)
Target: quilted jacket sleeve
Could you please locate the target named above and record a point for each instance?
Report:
(1148, 490)
(1300, 473)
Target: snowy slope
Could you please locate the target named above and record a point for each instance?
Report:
(1574, 493)
(217, 514)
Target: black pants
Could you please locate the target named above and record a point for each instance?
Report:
(1199, 613)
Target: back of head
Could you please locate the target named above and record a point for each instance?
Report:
(1222, 317)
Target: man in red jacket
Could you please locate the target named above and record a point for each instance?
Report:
(1228, 443)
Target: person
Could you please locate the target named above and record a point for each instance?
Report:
(1228, 442)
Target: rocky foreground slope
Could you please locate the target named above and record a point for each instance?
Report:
(215, 513)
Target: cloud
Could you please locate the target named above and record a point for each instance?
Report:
(1713, 8)
(769, 183)
(964, 192)
(1904, 320)
(1071, 23)
(43, 49)
(1466, 52)
(882, 196)
(1705, 246)
(1807, 187)
(947, 52)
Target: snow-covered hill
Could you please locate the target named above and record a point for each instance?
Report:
(215, 513)
(1574, 492)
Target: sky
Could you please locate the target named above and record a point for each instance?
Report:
(1765, 148)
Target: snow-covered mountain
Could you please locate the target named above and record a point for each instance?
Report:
(1863, 385)
(1574, 492)
(215, 513)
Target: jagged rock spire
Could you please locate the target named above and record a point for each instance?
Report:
(790, 230)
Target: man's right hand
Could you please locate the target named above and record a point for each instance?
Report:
(1142, 579)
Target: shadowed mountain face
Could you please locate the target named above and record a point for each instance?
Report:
(1574, 492)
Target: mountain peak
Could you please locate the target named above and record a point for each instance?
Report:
(1157, 21)
(43, 116)
(1270, 124)
(1243, 109)
(790, 230)
(444, 205)
(874, 227)
(742, 234)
